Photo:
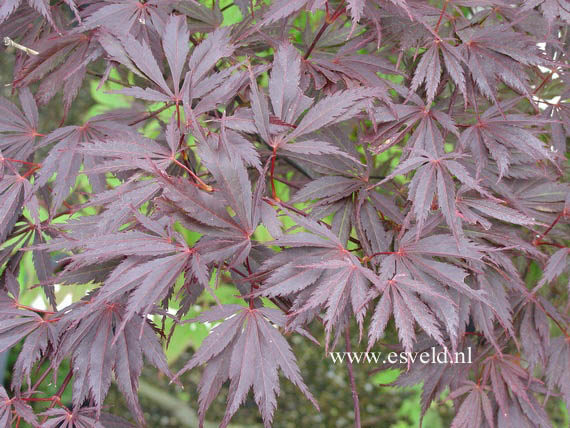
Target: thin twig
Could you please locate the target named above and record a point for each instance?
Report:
(151, 114)
(556, 220)
(288, 183)
(8, 42)
(273, 156)
(109, 79)
(21, 161)
(29, 308)
(199, 182)
(328, 21)
(552, 244)
(56, 398)
(31, 171)
(294, 164)
(41, 379)
(355, 399)
(227, 7)
(441, 16)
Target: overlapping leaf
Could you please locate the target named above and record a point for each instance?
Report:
(16, 405)
(497, 138)
(61, 65)
(97, 349)
(386, 191)
(65, 159)
(246, 349)
(19, 128)
(399, 119)
(320, 274)
(489, 60)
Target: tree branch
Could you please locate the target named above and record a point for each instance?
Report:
(355, 399)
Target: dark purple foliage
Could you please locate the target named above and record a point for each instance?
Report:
(419, 148)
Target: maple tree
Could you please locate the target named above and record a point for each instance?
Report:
(337, 162)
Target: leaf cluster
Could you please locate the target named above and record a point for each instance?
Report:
(352, 162)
